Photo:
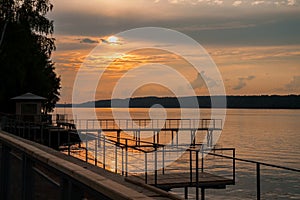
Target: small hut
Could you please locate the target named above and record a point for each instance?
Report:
(29, 107)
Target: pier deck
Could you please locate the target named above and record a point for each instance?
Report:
(180, 180)
(149, 124)
(142, 126)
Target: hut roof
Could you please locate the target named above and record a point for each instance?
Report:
(29, 96)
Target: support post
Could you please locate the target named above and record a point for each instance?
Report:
(116, 158)
(186, 193)
(155, 165)
(96, 151)
(233, 165)
(146, 168)
(118, 136)
(191, 167)
(163, 160)
(104, 147)
(126, 157)
(122, 161)
(86, 147)
(177, 138)
(98, 137)
(209, 138)
(258, 181)
(202, 193)
(69, 143)
(197, 175)
(202, 160)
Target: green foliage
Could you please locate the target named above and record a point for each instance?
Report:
(25, 51)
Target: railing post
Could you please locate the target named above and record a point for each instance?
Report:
(116, 158)
(86, 147)
(177, 139)
(122, 161)
(202, 193)
(186, 193)
(202, 160)
(172, 134)
(98, 137)
(69, 143)
(233, 165)
(197, 175)
(146, 168)
(96, 151)
(258, 181)
(163, 160)
(104, 147)
(191, 167)
(126, 157)
(155, 165)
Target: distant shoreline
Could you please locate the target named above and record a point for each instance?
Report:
(234, 102)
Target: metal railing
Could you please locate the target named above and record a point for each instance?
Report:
(148, 124)
(144, 158)
(43, 133)
(257, 169)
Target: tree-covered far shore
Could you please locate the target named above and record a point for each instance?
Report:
(26, 44)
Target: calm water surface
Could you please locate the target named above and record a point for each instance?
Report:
(271, 136)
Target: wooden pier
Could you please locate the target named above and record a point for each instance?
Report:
(154, 126)
(108, 137)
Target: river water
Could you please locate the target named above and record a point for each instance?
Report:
(265, 135)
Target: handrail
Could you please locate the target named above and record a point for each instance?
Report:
(258, 174)
(87, 179)
(146, 123)
(255, 162)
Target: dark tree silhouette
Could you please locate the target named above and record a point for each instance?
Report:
(25, 50)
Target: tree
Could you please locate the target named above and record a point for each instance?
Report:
(25, 51)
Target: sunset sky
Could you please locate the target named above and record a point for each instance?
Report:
(255, 44)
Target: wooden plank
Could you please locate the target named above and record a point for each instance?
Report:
(176, 180)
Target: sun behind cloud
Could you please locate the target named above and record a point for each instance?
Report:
(113, 39)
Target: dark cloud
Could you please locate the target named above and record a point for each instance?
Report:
(88, 41)
(198, 82)
(243, 82)
(233, 27)
(203, 80)
(294, 85)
